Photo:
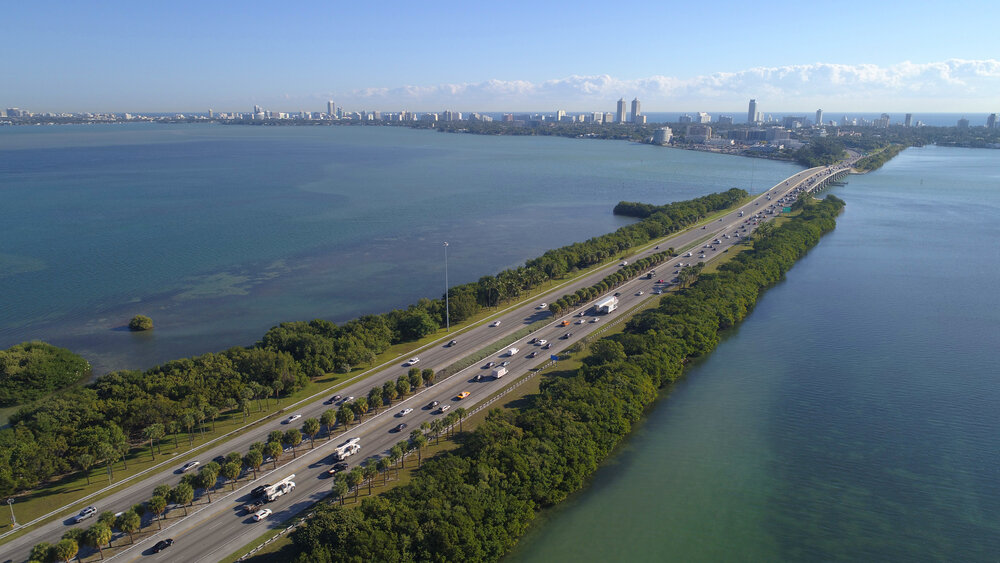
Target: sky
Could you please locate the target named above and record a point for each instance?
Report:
(516, 55)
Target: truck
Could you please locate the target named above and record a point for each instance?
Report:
(511, 352)
(499, 372)
(607, 304)
(285, 486)
(345, 451)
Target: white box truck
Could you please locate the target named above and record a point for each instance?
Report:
(607, 304)
(511, 352)
(499, 372)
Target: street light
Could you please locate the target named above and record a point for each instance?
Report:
(447, 310)
(10, 503)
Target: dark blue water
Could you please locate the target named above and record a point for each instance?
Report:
(220, 232)
(854, 415)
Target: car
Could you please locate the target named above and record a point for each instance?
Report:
(478, 377)
(505, 363)
(659, 281)
(581, 321)
(495, 323)
(542, 306)
(349, 399)
(262, 514)
(399, 427)
(639, 292)
(463, 394)
(581, 313)
(189, 466)
(162, 544)
(254, 506)
(567, 335)
(657, 291)
(432, 404)
(688, 255)
(292, 419)
(489, 365)
(542, 342)
(618, 294)
(443, 408)
(532, 354)
(412, 361)
(405, 412)
(85, 513)
(331, 400)
(701, 256)
(532, 341)
(547, 346)
(452, 343)
(337, 468)
(594, 320)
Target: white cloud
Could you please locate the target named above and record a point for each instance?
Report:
(951, 85)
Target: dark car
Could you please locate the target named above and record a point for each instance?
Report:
(533, 354)
(432, 404)
(479, 377)
(532, 341)
(567, 335)
(452, 343)
(399, 427)
(337, 467)
(162, 544)
(489, 365)
(618, 294)
(252, 507)
(547, 346)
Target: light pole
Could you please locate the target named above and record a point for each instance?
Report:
(10, 503)
(447, 310)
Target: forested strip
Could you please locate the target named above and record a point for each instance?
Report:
(32, 369)
(473, 504)
(875, 161)
(98, 424)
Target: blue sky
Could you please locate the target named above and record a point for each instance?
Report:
(494, 56)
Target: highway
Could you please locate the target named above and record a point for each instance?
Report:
(214, 530)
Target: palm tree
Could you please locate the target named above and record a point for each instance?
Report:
(344, 415)
(211, 412)
(460, 413)
(97, 536)
(383, 467)
(254, 459)
(273, 450)
(129, 522)
(152, 433)
(374, 398)
(85, 462)
(353, 478)
(66, 549)
(419, 441)
(157, 505)
(369, 472)
(327, 419)
(395, 454)
(293, 438)
(340, 487)
(231, 471)
(310, 428)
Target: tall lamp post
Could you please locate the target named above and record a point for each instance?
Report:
(447, 309)
(10, 503)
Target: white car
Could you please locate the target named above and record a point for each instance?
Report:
(541, 342)
(688, 255)
(189, 466)
(594, 320)
(542, 306)
(85, 513)
(495, 323)
(292, 418)
(405, 412)
(262, 514)
(581, 321)
(638, 292)
(412, 361)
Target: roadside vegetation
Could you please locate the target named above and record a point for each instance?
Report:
(474, 503)
(30, 370)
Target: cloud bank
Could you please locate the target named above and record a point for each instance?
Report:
(952, 85)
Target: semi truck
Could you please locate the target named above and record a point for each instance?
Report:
(272, 492)
(345, 451)
(607, 304)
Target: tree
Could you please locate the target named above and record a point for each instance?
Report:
(395, 454)
(162, 490)
(460, 413)
(276, 436)
(428, 376)
(293, 438)
(211, 413)
(157, 505)
(66, 549)
(85, 462)
(140, 323)
(369, 472)
(207, 478)
(382, 466)
(310, 428)
(43, 552)
(389, 392)
(129, 522)
(340, 487)
(273, 451)
(232, 471)
(353, 478)
(188, 421)
(419, 441)
(402, 386)
(254, 459)
(344, 415)
(234, 457)
(182, 494)
(153, 432)
(98, 535)
(414, 377)
(327, 419)
(374, 398)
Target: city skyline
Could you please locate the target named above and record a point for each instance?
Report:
(185, 56)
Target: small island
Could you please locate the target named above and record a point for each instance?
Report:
(140, 323)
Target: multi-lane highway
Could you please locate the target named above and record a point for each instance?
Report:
(214, 530)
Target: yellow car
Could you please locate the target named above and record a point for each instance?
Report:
(463, 394)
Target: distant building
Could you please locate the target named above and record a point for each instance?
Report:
(724, 120)
(635, 110)
(819, 117)
(698, 133)
(793, 121)
(963, 123)
(597, 117)
(908, 120)
(621, 111)
(211, 114)
(662, 135)
(609, 117)
(778, 134)
(883, 121)
(684, 119)
(752, 115)
(640, 120)
(508, 118)
(991, 121)
(331, 108)
(703, 117)
(560, 114)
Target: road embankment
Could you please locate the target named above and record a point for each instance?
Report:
(475, 503)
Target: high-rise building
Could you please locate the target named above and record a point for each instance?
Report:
(883, 121)
(211, 113)
(908, 120)
(991, 121)
(752, 112)
(560, 115)
(662, 135)
(963, 123)
(620, 117)
(819, 117)
(724, 120)
(635, 110)
(703, 117)
(331, 108)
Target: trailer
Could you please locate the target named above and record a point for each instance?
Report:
(607, 304)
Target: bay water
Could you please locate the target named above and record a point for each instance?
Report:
(220, 232)
(853, 416)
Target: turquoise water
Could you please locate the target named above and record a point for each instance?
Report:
(219, 233)
(854, 415)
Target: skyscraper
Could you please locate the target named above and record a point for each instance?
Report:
(330, 108)
(908, 121)
(752, 112)
(635, 110)
(620, 118)
(819, 117)
(991, 121)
